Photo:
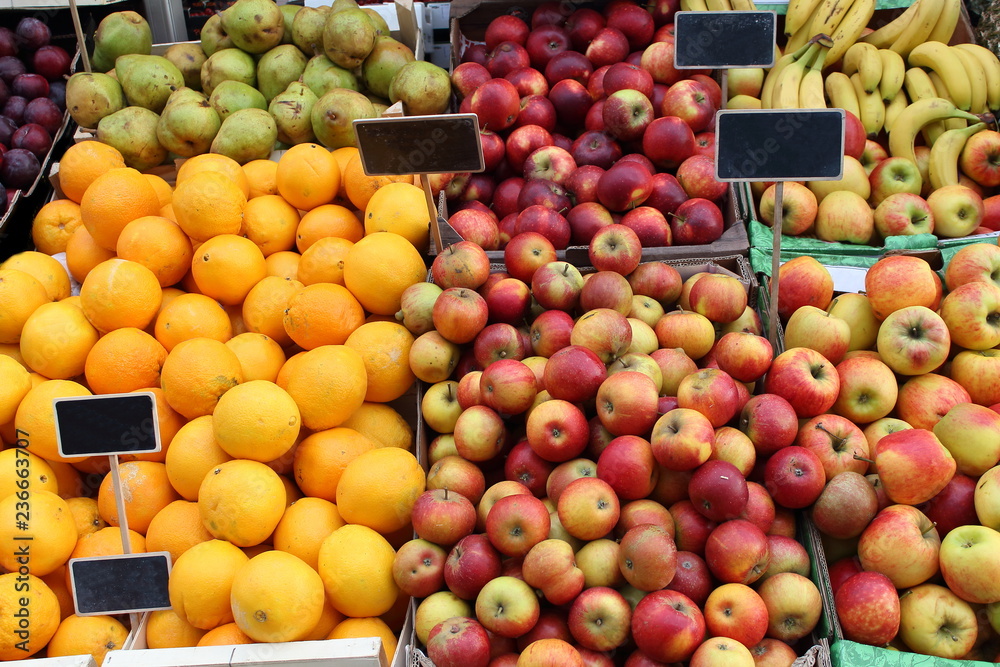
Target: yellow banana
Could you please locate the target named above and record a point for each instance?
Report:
(871, 106)
(694, 5)
(718, 5)
(946, 22)
(797, 14)
(786, 89)
(840, 92)
(743, 5)
(919, 28)
(828, 16)
(991, 68)
(942, 60)
(802, 36)
(887, 34)
(893, 71)
(942, 168)
(893, 109)
(849, 29)
(977, 79)
(773, 74)
(918, 114)
(865, 60)
(811, 89)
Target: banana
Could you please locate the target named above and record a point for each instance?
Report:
(802, 36)
(850, 28)
(893, 109)
(942, 60)
(918, 84)
(772, 75)
(942, 168)
(828, 16)
(893, 71)
(786, 89)
(840, 92)
(946, 22)
(811, 89)
(718, 5)
(977, 79)
(914, 117)
(991, 68)
(920, 27)
(871, 106)
(887, 34)
(865, 60)
(694, 5)
(797, 14)
(743, 5)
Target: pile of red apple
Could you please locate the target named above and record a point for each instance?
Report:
(585, 122)
(881, 196)
(903, 385)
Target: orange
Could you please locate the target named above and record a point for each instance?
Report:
(323, 261)
(270, 222)
(20, 294)
(360, 187)
(124, 360)
(328, 620)
(193, 453)
(325, 221)
(192, 316)
(168, 212)
(343, 155)
(29, 593)
(284, 264)
(383, 424)
(56, 581)
(277, 598)
(379, 268)
(262, 177)
(292, 492)
(226, 267)
(98, 466)
(82, 163)
(145, 491)
(356, 628)
(256, 420)
(107, 542)
(320, 460)
(36, 416)
(287, 368)
(308, 176)
(235, 313)
(355, 563)
(164, 191)
(83, 253)
(260, 357)
(119, 293)
(322, 314)
(168, 629)
(87, 635)
(159, 245)
(39, 475)
(198, 165)
(201, 581)
(114, 199)
(57, 339)
(227, 634)
(385, 349)
(196, 373)
(208, 205)
(49, 525)
(15, 383)
(304, 526)
(328, 384)
(169, 422)
(176, 528)
(378, 488)
(13, 350)
(86, 515)
(54, 224)
(265, 304)
(46, 270)
(400, 208)
(241, 501)
(70, 482)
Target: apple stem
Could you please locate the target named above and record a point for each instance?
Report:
(861, 458)
(905, 593)
(838, 440)
(446, 493)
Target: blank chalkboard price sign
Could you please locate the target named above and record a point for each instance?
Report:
(420, 144)
(107, 424)
(120, 584)
(724, 40)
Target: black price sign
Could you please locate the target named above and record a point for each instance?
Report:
(724, 40)
(120, 584)
(106, 424)
(794, 145)
(420, 144)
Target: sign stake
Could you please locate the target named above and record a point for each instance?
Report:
(116, 483)
(772, 315)
(80, 38)
(425, 182)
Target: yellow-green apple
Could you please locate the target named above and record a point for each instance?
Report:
(550, 332)
(687, 330)
(760, 509)
(873, 153)
(957, 210)
(698, 221)
(793, 605)
(628, 466)
(550, 567)
(913, 340)
(522, 464)
(845, 217)
(913, 465)
(692, 577)
(516, 523)
(657, 280)
(868, 390)
(971, 433)
(462, 264)
(459, 475)
(615, 247)
(972, 313)
(471, 563)
(770, 422)
(744, 356)
(868, 608)
(565, 473)
(627, 403)
(987, 498)
(743, 102)
(588, 508)
(557, 431)
(443, 517)
(745, 82)
(647, 557)
(433, 357)
(934, 621)
(440, 407)
(604, 331)
(794, 477)
(691, 528)
(674, 365)
(599, 561)
(855, 179)
(901, 543)
(507, 606)
(806, 379)
(798, 208)
(816, 329)
(441, 446)
(736, 551)
(479, 433)
(845, 507)
(772, 652)
(525, 253)
(418, 568)
(803, 281)
(638, 362)
(435, 608)
(600, 619)
(460, 314)
(682, 439)
(891, 176)
(575, 372)
(644, 510)
(508, 300)
(786, 555)
(718, 490)
(644, 340)
(718, 297)
(838, 442)
(735, 447)
(969, 564)
(459, 642)
(736, 611)
(954, 505)
(980, 158)
(979, 373)
(416, 306)
(903, 214)
(923, 400)
(557, 285)
(711, 392)
(974, 262)
(495, 492)
(899, 281)
(721, 652)
(667, 626)
(606, 289)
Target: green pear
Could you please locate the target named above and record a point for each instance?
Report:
(341, 5)
(188, 124)
(183, 95)
(333, 114)
(256, 26)
(188, 58)
(248, 134)
(148, 80)
(307, 29)
(133, 132)
(381, 27)
(321, 75)
(279, 67)
(348, 37)
(288, 13)
(213, 37)
(228, 65)
(292, 112)
(422, 87)
(118, 34)
(387, 57)
(91, 97)
(232, 96)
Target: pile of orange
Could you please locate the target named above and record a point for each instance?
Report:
(255, 302)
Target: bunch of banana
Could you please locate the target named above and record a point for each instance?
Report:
(718, 5)
(842, 20)
(942, 166)
(966, 74)
(925, 20)
(783, 83)
(915, 117)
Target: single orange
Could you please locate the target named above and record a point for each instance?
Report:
(57, 339)
(124, 360)
(208, 205)
(83, 253)
(196, 373)
(323, 261)
(82, 163)
(308, 176)
(114, 199)
(226, 267)
(192, 453)
(264, 307)
(322, 314)
(262, 177)
(54, 224)
(145, 491)
(159, 245)
(271, 223)
(379, 268)
(320, 460)
(215, 162)
(328, 220)
(190, 316)
(118, 293)
(328, 384)
(284, 264)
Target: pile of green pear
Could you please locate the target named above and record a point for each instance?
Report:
(262, 78)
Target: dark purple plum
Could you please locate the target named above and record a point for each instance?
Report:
(8, 43)
(30, 86)
(45, 112)
(3, 196)
(52, 62)
(4, 93)
(20, 168)
(7, 130)
(32, 34)
(57, 93)
(32, 137)
(11, 67)
(14, 109)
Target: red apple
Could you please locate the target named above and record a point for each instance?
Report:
(471, 563)
(794, 477)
